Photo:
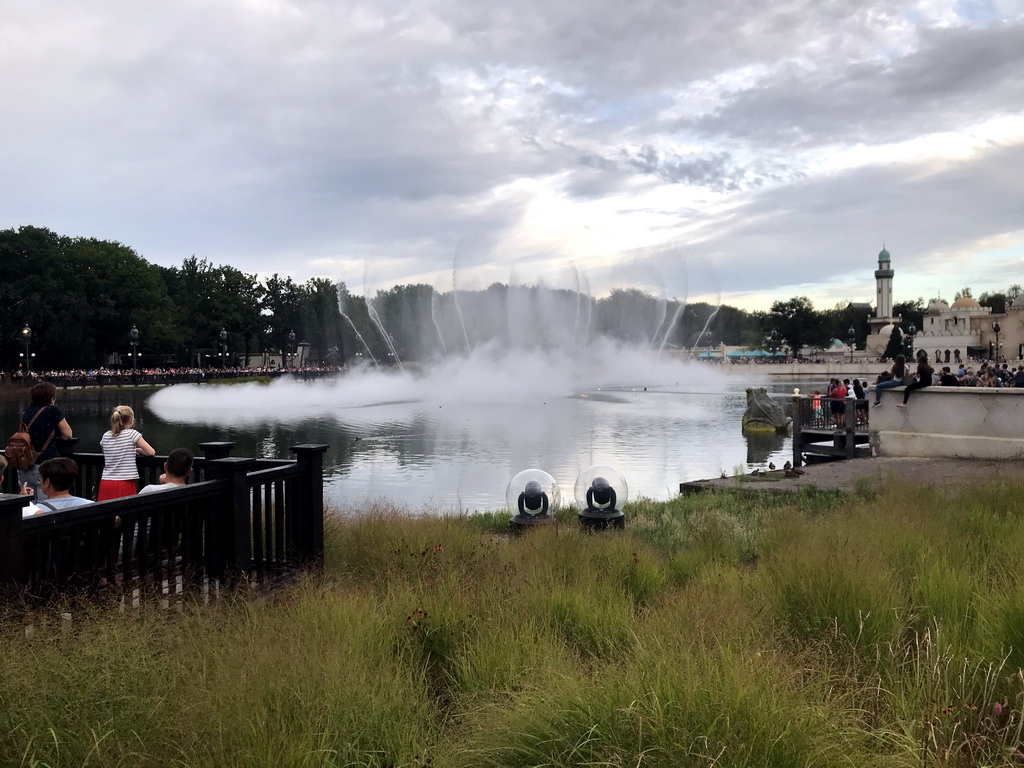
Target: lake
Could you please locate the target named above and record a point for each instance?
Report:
(449, 440)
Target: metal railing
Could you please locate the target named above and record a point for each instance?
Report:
(826, 426)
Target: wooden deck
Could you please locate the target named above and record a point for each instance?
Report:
(815, 432)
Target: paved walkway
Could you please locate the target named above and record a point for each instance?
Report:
(843, 474)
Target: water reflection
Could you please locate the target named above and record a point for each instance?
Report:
(762, 446)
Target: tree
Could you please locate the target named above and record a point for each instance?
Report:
(911, 313)
(963, 293)
(895, 346)
(798, 324)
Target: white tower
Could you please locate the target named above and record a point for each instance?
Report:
(883, 290)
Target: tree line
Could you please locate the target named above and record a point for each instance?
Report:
(81, 297)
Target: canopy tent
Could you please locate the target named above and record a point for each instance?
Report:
(707, 356)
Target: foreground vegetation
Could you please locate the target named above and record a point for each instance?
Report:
(820, 629)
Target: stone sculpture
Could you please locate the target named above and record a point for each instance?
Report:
(763, 414)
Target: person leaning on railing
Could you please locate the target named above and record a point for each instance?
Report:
(45, 424)
(121, 444)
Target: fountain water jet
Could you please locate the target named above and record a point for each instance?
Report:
(341, 309)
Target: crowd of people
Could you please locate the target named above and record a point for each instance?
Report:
(47, 477)
(988, 374)
(175, 374)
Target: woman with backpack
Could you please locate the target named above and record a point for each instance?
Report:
(121, 444)
(43, 423)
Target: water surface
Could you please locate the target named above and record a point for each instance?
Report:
(447, 453)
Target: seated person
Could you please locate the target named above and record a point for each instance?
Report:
(177, 468)
(948, 379)
(55, 478)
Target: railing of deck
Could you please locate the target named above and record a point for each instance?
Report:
(243, 518)
(818, 429)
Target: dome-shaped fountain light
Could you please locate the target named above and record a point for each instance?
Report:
(600, 493)
(532, 497)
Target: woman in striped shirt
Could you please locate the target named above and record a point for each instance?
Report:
(121, 444)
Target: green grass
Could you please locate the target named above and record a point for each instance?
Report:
(883, 627)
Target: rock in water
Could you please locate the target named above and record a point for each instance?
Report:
(764, 414)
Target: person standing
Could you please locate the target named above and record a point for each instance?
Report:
(121, 444)
(45, 423)
(924, 378)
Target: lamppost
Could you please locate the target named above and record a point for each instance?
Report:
(911, 331)
(996, 327)
(851, 338)
(222, 345)
(26, 339)
(291, 349)
(134, 333)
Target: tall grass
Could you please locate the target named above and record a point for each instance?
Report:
(878, 628)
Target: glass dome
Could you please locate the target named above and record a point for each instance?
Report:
(533, 493)
(601, 488)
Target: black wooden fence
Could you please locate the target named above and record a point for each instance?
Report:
(242, 518)
(817, 432)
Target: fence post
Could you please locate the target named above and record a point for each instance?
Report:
(851, 427)
(236, 532)
(213, 451)
(798, 419)
(12, 556)
(311, 456)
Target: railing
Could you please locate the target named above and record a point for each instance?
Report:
(818, 429)
(242, 519)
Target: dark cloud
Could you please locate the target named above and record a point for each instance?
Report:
(273, 134)
(819, 231)
(957, 77)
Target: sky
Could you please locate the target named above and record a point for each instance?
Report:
(735, 151)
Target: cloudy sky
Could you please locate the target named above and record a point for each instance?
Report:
(733, 150)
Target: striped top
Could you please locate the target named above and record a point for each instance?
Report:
(119, 454)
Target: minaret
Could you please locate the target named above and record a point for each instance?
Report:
(883, 296)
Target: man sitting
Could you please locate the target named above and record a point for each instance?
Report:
(948, 379)
(177, 468)
(55, 478)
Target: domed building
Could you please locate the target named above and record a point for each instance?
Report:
(950, 332)
(1008, 343)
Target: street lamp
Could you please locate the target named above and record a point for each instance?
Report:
(911, 331)
(996, 327)
(851, 337)
(222, 345)
(291, 348)
(26, 339)
(134, 333)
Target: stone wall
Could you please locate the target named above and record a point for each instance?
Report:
(950, 422)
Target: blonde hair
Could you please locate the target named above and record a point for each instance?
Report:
(122, 416)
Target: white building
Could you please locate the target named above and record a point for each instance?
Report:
(950, 334)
